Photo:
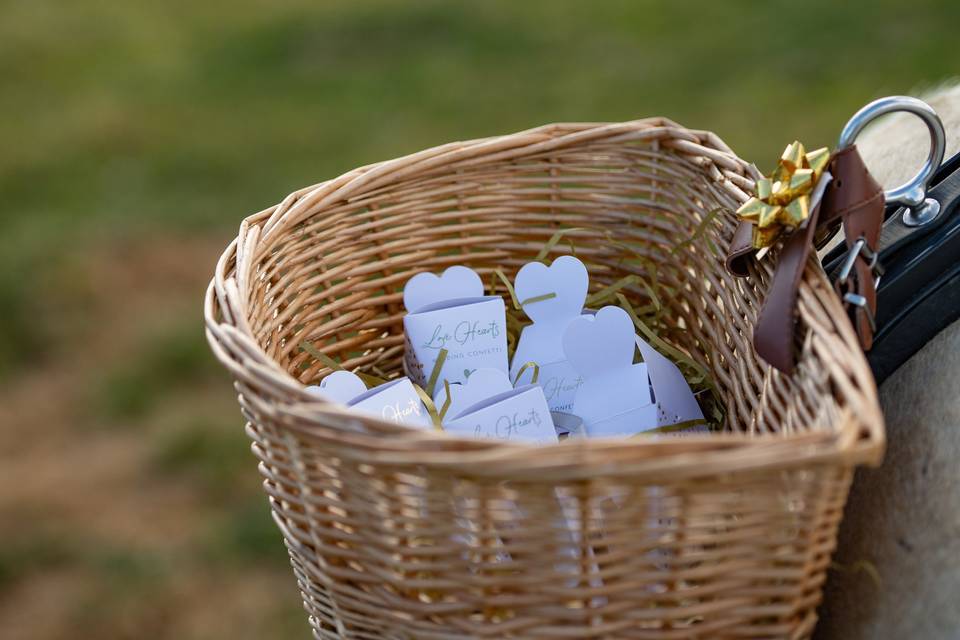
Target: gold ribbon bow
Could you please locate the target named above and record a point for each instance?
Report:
(783, 200)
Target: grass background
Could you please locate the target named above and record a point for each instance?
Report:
(136, 136)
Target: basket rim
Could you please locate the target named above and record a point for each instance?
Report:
(858, 439)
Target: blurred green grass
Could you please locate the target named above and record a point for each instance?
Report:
(186, 117)
(168, 360)
(161, 125)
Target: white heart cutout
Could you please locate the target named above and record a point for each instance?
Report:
(600, 343)
(566, 278)
(339, 386)
(428, 288)
(482, 384)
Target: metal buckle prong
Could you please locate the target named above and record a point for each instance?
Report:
(859, 301)
(860, 248)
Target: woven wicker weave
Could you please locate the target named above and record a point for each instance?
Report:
(398, 533)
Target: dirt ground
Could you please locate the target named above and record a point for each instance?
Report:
(123, 516)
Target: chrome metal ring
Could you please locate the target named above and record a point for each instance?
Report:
(912, 193)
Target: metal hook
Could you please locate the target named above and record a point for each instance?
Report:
(911, 194)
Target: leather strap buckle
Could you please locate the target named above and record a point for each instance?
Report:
(854, 293)
(856, 300)
(859, 249)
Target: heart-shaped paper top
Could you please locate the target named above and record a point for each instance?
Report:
(601, 343)
(428, 288)
(482, 384)
(339, 386)
(566, 278)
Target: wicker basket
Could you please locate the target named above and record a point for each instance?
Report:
(398, 533)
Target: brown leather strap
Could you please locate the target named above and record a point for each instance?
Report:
(773, 333)
(854, 198)
(853, 192)
(857, 199)
(741, 250)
